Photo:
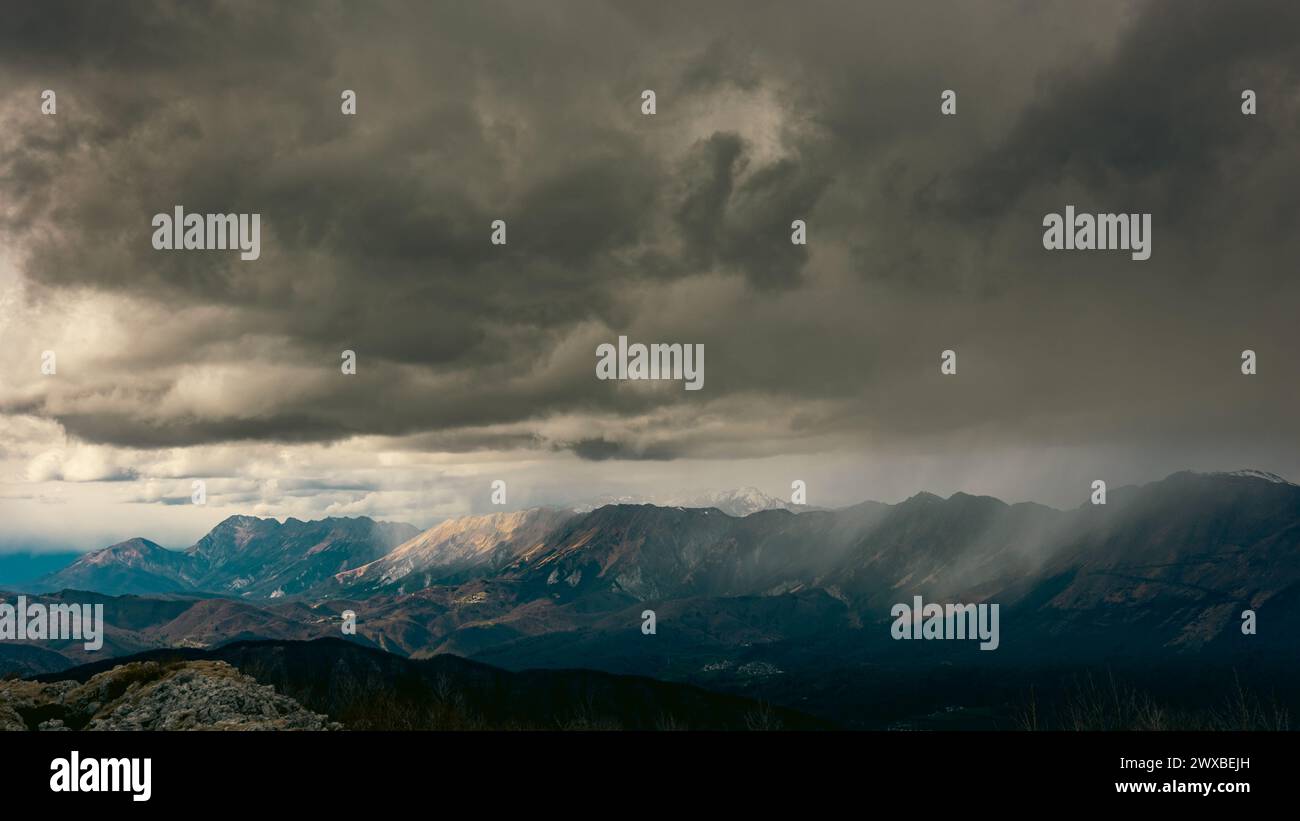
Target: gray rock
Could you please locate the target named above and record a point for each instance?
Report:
(197, 695)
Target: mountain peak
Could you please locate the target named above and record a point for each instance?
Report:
(132, 551)
(458, 543)
(922, 497)
(243, 520)
(135, 565)
(134, 543)
(737, 502)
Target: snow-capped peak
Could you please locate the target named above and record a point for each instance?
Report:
(740, 502)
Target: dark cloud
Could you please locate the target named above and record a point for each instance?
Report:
(745, 226)
(1159, 121)
(134, 432)
(924, 231)
(600, 450)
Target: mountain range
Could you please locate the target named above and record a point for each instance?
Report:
(243, 555)
(774, 604)
(741, 502)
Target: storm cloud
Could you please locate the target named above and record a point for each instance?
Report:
(924, 231)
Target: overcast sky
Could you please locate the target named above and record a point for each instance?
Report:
(476, 362)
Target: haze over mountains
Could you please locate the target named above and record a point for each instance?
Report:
(790, 608)
(1165, 569)
(741, 502)
(261, 558)
(243, 555)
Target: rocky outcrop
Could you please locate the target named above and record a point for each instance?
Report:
(194, 695)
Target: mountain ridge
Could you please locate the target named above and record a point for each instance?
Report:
(241, 555)
(1161, 572)
(865, 552)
